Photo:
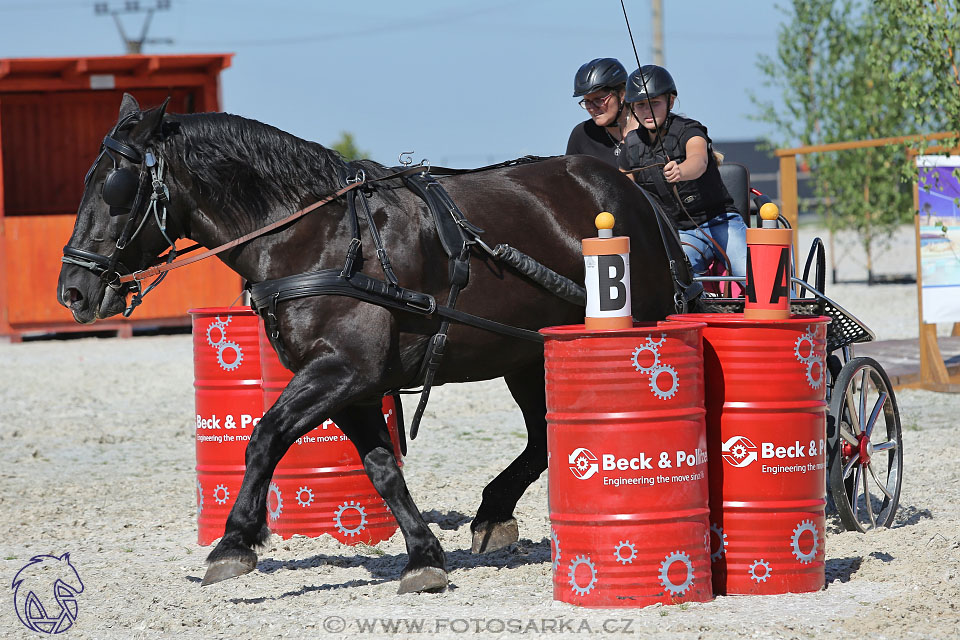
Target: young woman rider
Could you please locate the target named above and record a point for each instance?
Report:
(672, 157)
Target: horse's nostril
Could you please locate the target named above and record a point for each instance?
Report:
(71, 295)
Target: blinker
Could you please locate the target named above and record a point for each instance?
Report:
(120, 188)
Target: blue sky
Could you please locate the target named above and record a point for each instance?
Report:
(459, 83)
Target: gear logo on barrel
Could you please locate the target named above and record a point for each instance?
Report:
(806, 352)
(739, 451)
(759, 570)
(717, 530)
(221, 494)
(808, 556)
(338, 518)
(664, 380)
(676, 588)
(555, 541)
(218, 330)
(583, 464)
(305, 496)
(274, 512)
(582, 561)
(625, 552)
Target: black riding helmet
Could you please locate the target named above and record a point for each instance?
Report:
(658, 82)
(598, 74)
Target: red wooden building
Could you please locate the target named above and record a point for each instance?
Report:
(53, 114)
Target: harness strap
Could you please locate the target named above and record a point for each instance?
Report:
(266, 295)
(683, 293)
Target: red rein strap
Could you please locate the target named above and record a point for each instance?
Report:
(156, 270)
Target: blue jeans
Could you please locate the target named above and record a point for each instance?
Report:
(730, 233)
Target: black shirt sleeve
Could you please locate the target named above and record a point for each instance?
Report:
(573, 143)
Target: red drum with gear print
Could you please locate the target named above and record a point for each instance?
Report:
(320, 485)
(229, 402)
(627, 465)
(766, 432)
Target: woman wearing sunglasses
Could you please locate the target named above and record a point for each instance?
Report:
(600, 84)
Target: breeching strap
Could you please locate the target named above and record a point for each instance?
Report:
(155, 270)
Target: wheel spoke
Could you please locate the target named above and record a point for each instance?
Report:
(851, 463)
(890, 445)
(868, 501)
(877, 480)
(851, 409)
(853, 491)
(862, 415)
(849, 437)
(877, 408)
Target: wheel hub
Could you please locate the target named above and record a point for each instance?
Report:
(862, 450)
(865, 448)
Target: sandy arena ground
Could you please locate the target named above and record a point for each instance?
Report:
(97, 459)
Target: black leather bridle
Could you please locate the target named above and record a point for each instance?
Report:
(122, 191)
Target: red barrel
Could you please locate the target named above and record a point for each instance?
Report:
(627, 465)
(766, 422)
(320, 485)
(229, 402)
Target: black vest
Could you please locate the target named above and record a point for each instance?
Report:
(704, 198)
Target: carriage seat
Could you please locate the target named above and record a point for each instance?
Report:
(736, 178)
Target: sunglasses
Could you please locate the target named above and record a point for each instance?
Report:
(596, 103)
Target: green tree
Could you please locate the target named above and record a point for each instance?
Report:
(862, 69)
(925, 70)
(347, 148)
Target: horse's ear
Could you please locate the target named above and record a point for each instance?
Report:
(153, 118)
(128, 105)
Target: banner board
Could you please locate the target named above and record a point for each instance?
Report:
(939, 227)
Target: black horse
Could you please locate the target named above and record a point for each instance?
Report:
(227, 176)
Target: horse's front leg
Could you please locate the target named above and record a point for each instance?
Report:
(426, 567)
(495, 527)
(316, 392)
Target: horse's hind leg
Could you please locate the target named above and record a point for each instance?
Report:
(495, 527)
(425, 570)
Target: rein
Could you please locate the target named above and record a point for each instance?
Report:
(158, 269)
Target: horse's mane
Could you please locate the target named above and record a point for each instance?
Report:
(249, 169)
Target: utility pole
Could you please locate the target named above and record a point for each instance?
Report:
(656, 17)
(134, 46)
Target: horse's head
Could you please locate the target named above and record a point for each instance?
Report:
(113, 235)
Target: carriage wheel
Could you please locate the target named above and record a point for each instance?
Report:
(866, 453)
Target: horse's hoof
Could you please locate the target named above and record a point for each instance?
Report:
(220, 570)
(430, 579)
(495, 535)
